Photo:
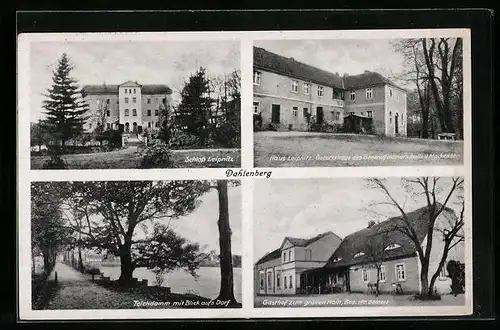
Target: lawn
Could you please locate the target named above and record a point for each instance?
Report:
(354, 299)
(129, 158)
(286, 149)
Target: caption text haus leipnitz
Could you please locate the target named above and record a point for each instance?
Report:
(290, 95)
(328, 264)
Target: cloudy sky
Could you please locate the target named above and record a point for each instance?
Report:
(200, 226)
(307, 207)
(160, 62)
(342, 56)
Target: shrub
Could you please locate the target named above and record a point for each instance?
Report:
(228, 135)
(156, 155)
(456, 271)
(114, 138)
(55, 162)
(427, 296)
(159, 276)
(180, 139)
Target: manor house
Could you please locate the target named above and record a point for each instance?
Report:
(290, 95)
(131, 106)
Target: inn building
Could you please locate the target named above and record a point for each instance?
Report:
(349, 266)
(291, 95)
(137, 107)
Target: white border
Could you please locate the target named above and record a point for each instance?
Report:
(25, 176)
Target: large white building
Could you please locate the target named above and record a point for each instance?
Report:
(136, 107)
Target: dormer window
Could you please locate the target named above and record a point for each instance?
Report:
(359, 254)
(392, 247)
(337, 259)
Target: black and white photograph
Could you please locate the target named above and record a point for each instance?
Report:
(126, 104)
(135, 245)
(352, 242)
(358, 102)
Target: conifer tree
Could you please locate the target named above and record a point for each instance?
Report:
(195, 106)
(65, 109)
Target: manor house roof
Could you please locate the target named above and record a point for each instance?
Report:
(113, 89)
(269, 61)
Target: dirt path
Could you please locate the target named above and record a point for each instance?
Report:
(76, 291)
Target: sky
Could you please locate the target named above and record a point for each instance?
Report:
(305, 208)
(342, 56)
(158, 62)
(200, 226)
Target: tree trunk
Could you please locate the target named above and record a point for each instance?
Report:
(226, 258)
(126, 266)
(46, 262)
(424, 280)
(80, 261)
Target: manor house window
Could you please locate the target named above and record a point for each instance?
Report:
(126, 112)
(108, 113)
(369, 113)
(157, 124)
(307, 88)
(278, 278)
(149, 112)
(256, 107)
(295, 86)
(291, 282)
(149, 101)
(369, 93)
(134, 99)
(352, 96)
(320, 90)
(156, 112)
(134, 112)
(390, 92)
(295, 111)
(256, 77)
(126, 100)
(308, 255)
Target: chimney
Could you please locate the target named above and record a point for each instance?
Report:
(371, 223)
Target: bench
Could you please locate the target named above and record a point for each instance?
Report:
(398, 289)
(372, 287)
(447, 136)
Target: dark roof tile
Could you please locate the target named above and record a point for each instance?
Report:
(288, 66)
(358, 241)
(113, 89)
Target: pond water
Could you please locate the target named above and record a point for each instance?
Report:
(206, 285)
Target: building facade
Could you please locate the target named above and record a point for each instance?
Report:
(136, 107)
(290, 95)
(355, 262)
(351, 263)
(278, 272)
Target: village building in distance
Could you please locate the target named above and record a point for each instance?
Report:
(349, 266)
(136, 107)
(290, 95)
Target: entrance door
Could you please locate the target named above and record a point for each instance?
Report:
(275, 113)
(319, 115)
(396, 126)
(134, 127)
(127, 127)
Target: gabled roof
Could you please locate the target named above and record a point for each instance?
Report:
(367, 79)
(307, 241)
(267, 60)
(130, 83)
(374, 236)
(113, 89)
(288, 66)
(275, 254)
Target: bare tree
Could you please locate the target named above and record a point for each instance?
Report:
(428, 187)
(376, 252)
(100, 120)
